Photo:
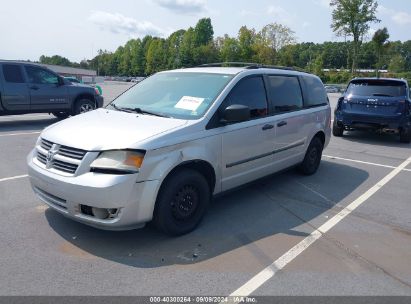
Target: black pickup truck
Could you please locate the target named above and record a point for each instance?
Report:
(31, 88)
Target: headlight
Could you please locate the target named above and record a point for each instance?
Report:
(124, 161)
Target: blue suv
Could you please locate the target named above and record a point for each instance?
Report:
(380, 104)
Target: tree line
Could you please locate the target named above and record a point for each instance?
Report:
(274, 44)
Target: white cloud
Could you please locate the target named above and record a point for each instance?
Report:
(306, 25)
(245, 13)
(323, 3)
(184, 6)
(120, 24)
(400, 18)
(281, 15)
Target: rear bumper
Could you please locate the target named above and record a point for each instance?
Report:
(372, 122)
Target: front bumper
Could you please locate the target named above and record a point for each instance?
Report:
(99, 101)
(134, 200)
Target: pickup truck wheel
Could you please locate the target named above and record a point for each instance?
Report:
(312, 157)
(337, 130)
(182, 202)
(61, 115)
(405, 136)
(83, 106)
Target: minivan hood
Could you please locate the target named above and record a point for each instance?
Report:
(104, 129)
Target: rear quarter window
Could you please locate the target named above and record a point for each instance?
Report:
(285, 93)
(314, 93)
(12, 73)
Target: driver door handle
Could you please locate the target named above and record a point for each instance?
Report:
(34, 88)
(268, 127)
(282, 124)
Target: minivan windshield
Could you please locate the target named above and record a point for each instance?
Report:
(382, 88)
(183, 95)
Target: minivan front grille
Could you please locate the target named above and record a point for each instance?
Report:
(58, 157)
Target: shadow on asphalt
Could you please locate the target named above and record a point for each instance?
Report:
(278, 204)
(375, 138)
(26, 124)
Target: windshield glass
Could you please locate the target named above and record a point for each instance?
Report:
(377, 88)
(181, 95)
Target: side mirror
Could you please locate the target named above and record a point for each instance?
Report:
(60, 81)
(236, 113)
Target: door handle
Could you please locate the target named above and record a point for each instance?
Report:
(282, 124)
(267, 127)
(34, 88)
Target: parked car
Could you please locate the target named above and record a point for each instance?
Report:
(332, 89)
(378, 104)
(164, 147)
(30, 88)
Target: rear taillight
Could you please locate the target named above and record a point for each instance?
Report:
(97, 91)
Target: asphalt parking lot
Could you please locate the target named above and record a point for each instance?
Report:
(343, 231)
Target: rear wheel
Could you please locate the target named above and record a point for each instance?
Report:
(337, 130)
(405, 136)
(83, 106)
(61, 115)
(312, 157)
(182, 202)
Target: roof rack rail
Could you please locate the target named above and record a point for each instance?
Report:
(246, 65)
(227, 64)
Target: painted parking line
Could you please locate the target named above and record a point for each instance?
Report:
(25, 116)
(268, 272)
(21, 133)
(362, 162)
(12, 178)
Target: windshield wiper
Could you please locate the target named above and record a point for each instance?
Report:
(141, 111)
(120, 108)
(138, 111)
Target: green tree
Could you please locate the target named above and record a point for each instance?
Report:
(397, 64)
(203, 32)
(379, 40)
(187, 47)
(229, 49)
(353, 18)
(246, 40)
(155, 60)
(174, 42)
(276, 36)
(55, 60)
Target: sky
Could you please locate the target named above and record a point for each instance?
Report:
(77, 29)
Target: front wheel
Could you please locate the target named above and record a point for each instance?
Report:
(61, 115)
(83, 106)
(337, 130)
(312, 157)
(182, 202)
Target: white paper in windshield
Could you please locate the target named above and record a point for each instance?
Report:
(189, 103)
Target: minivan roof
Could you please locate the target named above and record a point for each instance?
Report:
(236, 70)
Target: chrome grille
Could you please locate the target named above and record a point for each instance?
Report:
(72, 152)
(58, 157)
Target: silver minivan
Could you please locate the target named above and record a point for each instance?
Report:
(161, 150)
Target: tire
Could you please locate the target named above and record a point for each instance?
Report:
(61, 115)
(83, 106)
(175, 216)
(337, 130)
(312, 157)
(405, 136)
